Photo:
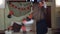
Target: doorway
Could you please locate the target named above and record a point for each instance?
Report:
(48, 17)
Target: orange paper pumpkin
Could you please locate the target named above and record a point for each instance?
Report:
(11, 12)
(30, 16)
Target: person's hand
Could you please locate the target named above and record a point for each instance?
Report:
(10, 27)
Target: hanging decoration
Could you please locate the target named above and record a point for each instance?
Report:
(20, 8)
(10, 14)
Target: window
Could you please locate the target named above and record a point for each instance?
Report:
(2, 3)
(57, 3)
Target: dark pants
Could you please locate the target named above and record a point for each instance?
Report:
(41, 27)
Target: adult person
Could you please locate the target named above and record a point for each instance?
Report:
(41, 25)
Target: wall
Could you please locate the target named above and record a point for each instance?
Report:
(1, 19)
(57, 15)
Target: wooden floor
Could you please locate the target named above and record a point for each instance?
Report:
(49, 31)
(2, 32)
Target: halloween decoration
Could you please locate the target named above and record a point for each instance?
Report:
(10, 14)
(20, 8)
(28, 19)
(30, 16)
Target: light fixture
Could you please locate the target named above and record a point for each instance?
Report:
(31, 0)
(57, 3)
(2, 3)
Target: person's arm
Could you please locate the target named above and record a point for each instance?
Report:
(45, 5)
(29, 22)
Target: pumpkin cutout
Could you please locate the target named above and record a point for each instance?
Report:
(10, 14)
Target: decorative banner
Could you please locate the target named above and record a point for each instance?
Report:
(16, 0)
(19, 8)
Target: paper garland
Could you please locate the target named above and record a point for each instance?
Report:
(17, 8)
(27, 8)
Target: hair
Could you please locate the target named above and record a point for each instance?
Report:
(28, 19)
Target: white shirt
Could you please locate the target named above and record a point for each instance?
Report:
(29, 22)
